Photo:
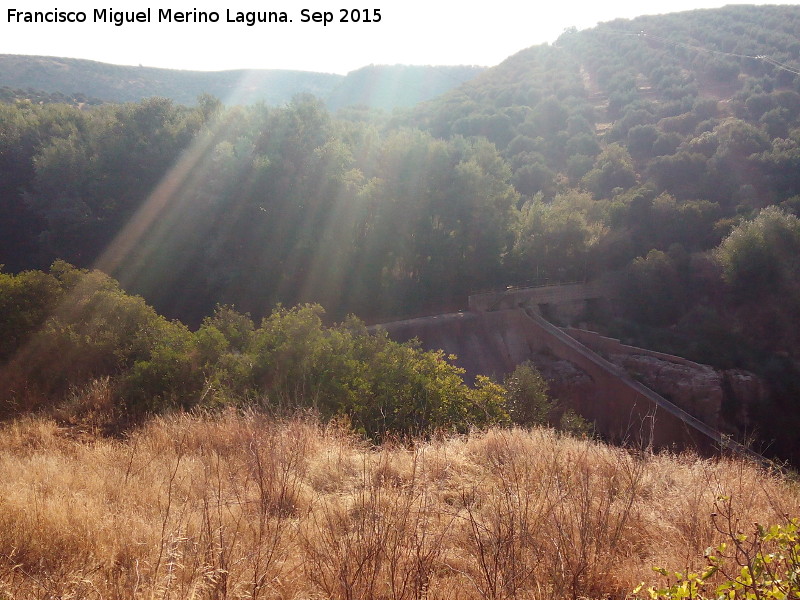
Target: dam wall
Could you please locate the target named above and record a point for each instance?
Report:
(623, 410)
(606, 345)
(484, 343)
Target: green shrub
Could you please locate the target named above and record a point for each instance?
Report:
(528, 401)
(79, 326)
(764, 565)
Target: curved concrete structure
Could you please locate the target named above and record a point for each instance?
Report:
(491, 340)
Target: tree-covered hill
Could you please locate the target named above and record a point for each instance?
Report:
(387, 87)
(51, 79)
(117, 83)
(670, 90)
(666, 147)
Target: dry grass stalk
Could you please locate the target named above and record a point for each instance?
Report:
(242, 506)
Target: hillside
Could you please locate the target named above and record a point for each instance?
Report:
(39, 77)
(651, 85)
(387, 87)
(116, 83)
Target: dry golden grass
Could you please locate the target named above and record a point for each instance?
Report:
(244, 507)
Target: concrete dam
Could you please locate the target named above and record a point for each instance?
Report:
(504, 329)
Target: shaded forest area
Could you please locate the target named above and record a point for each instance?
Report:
(664, 147)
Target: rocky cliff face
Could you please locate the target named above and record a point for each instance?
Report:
(564, 379)
(720, 399)
(697, 389)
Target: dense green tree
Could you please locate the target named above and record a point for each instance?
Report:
(554, 241)
(67, 327)
(533, 178)
(760, 257)
(612, 169)
(653, 289)
(683, 174)
(641, 139)
(666, 143)
(780, 166)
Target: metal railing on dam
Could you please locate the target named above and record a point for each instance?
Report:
(540, 294)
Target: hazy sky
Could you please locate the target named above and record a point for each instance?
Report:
(409, 32)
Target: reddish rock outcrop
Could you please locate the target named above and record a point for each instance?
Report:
(695, 388)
